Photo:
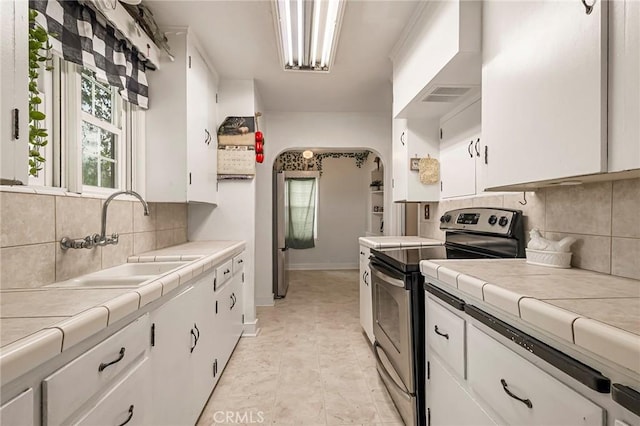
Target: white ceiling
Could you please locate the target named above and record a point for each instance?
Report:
(239, 38)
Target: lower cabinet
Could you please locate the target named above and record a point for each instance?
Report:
(520, 392)
(128, 402)
(19, 410)
(194, 336)
(366, 308)
(68, 391)
(449, 403)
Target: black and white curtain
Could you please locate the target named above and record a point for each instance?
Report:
(80, 37)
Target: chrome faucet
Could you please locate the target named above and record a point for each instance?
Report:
(101, 239)
(113, 239)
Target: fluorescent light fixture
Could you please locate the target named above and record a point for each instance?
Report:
(308, 32)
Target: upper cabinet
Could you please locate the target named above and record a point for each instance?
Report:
(624, 85)
(181, 156)
(462, 153)
(413, 138)
(437, 63)
(544, 90)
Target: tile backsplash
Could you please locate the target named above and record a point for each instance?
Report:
(33, 224)
(602, 216)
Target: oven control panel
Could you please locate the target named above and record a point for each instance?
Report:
(480, 219)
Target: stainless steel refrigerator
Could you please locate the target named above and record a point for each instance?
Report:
(280, 278)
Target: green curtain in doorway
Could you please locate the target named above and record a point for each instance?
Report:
(301, 200)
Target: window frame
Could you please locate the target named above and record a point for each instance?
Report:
(63, 105)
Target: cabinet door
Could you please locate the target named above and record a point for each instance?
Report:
(624, 85)
(449, 403)
(458, 169)
(170, 357)
(400, 157)
(460, 150)
(201, 142)
(366, 310)
(206, 345)
(544, 85)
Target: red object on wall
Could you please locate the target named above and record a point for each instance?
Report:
(259, 158)
(259, 147)
(259, 136)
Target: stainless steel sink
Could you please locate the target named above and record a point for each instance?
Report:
(125, 275)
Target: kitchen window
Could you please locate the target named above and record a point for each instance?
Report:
(301, 204)
(91, 142)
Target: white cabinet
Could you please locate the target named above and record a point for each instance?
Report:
(413, 138)
(65, 391)
(13, 86)
(624, 85)
(170, 353)
(181, 154)
(544, 99)
(520, 392)
(19, 410)
(448, 400)
(462, 153)
(128, 402)
(449, 403)
(366, 308)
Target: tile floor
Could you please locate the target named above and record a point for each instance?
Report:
(310, 365)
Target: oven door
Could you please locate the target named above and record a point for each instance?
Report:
(392, 324)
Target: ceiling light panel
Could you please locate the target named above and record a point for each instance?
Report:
(308, 32)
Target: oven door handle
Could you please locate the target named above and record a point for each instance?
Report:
(401, 389)
(382, 274)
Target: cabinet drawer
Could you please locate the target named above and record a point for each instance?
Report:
(70, 386)
(500, 376)
(223, 273)
(238, 263)
(19, 410)
(127, 402)
(445, 335)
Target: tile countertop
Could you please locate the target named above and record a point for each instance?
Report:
(398, 241)
(38, 324)
(594, 311)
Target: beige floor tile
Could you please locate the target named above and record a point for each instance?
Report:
(348, 407)
(310, 365)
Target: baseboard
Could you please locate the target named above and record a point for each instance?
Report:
(251, 329)
(264, 301)
(322, 266)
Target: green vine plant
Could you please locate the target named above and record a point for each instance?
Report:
(39, 55)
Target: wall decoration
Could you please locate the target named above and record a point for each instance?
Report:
(414, 164)
(294, 161)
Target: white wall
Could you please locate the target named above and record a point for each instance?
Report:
(342, 204)
(285, 131)
(235, 216)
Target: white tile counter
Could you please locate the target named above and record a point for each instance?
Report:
(38, 324)
(596, 312)
(397, 241)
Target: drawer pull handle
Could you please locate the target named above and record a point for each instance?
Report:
(526, 402)
(226, 271)
(130, 416)
(240, 261)
(104, 365)
(439, 333)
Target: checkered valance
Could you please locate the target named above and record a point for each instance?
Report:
(81, 38)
